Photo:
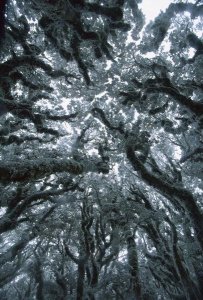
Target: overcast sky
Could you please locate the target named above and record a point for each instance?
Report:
(151, 8)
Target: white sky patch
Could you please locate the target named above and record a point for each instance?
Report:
(135, 116)
(151, 9)
(93, 151)
(191, 52)
(150, 55)
(177, 153)
(198, 23)
(167, 46)
(64, 103)
(2, 211)
(108, 65)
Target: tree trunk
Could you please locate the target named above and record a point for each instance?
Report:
(169, 190)
(80, 281)
(133, 265)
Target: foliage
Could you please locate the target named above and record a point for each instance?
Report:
(101, 120)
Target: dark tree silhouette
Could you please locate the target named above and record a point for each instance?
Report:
(2, 19)
(101, 146)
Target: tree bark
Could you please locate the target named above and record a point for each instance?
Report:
(80, 281)
(169, 190)
(133, 265)
(39, 168)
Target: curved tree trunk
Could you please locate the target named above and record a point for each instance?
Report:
(169, 190)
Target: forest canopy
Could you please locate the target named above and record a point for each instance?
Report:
(101, 150)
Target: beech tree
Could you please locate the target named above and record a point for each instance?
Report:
(101, 150)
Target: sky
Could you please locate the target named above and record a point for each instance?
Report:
(151, 8)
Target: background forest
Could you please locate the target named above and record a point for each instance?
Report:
(101, 150)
